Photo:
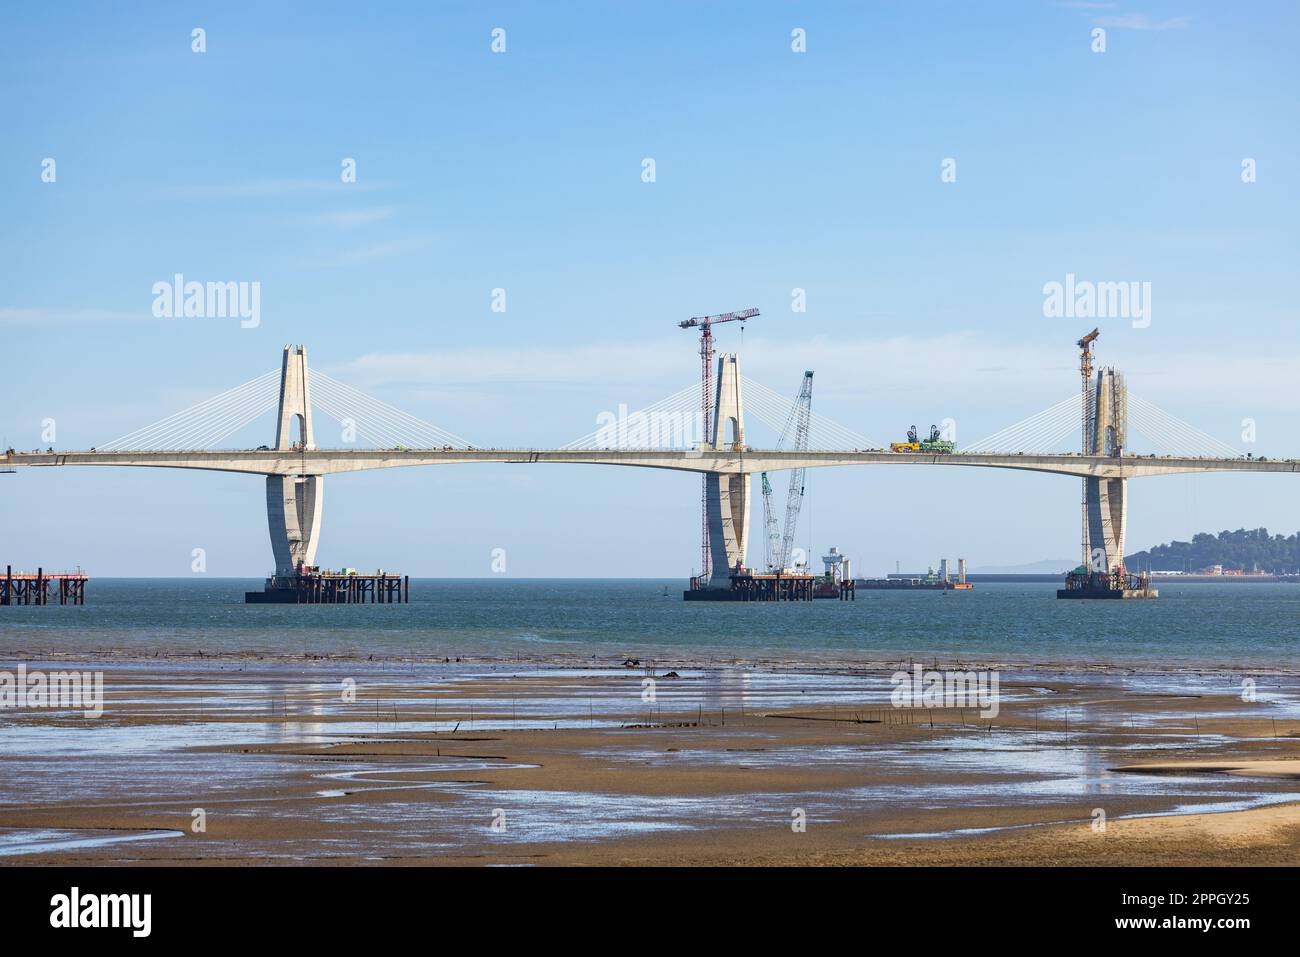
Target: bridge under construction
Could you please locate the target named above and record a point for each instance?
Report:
(295, 467)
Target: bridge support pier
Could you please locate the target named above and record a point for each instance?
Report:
(727, 494)
(1106, 499)
(1107, 522)
(728, 510)
(293, 509)
(293, 502)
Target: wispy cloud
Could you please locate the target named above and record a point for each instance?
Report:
(374, 252)
(1140, 21)
(475, 366)
(41, 315)
(348, 218)
(274, 187)
(975, 371)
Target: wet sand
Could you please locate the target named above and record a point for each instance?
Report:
(476, 763)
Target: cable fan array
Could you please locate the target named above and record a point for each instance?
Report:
(1171, 435)
(824, 434)
(674, 422)
(205, 424)
(1043, 432)
(377, 422)
(1057, 429)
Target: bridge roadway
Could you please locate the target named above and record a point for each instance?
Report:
(336, 461)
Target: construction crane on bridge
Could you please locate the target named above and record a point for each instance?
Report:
(1085, 356)
(705, 325)
(779, 548)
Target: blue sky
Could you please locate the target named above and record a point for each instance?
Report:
(522, 171)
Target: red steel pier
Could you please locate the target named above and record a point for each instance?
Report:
(33, 588)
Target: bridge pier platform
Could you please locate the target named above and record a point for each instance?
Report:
(748, 587)
(330, 588)
(1117, 585)
(1107, 593)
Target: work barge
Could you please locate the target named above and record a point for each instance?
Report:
(34, 588)
(774, 586)
(312, 586)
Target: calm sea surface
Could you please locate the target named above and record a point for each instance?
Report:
(1189, 626)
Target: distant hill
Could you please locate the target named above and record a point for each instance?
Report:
(1245, 549)
(1047, 566)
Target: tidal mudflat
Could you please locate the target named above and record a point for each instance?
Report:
(347, 761)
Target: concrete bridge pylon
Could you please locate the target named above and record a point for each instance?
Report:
(1106, 499)
(293, 502)
(727, 494)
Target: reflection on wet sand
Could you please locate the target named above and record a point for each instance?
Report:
(429, 763)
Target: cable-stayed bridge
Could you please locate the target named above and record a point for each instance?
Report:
(663, 435)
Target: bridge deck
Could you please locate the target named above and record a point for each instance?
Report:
(334, 461)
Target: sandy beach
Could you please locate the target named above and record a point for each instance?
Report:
(322, 761)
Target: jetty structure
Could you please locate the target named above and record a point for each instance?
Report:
(35, 588)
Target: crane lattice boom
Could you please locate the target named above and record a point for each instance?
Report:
(794, 499)
(779, 545)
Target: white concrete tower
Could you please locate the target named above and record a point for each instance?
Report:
(727, 494)
(293, 502)
(1107, 499)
